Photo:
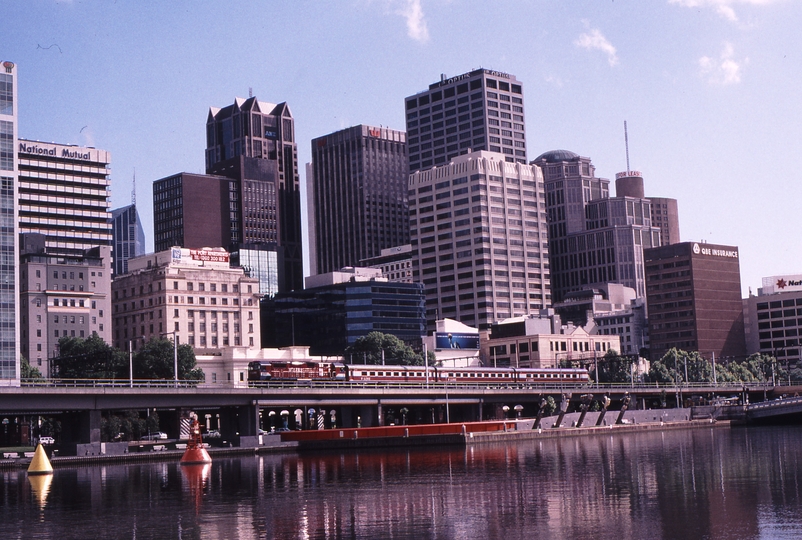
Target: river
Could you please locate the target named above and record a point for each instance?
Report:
(715, 483)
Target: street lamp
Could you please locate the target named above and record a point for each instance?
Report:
(175, 354)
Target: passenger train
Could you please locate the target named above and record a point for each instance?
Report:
(268, 370)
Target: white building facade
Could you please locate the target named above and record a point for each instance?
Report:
(479, 239)
(191, 295)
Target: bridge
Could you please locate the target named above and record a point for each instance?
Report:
(239, 412)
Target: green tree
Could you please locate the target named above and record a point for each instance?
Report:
(368, 350)
(156, 360)
(27, 371)
(550, 407)
(90, 358)
(613, 368)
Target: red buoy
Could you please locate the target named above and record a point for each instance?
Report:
(195, 453)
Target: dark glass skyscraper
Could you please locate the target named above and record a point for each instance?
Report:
(480, 110)
(253, 144)
(359, 196)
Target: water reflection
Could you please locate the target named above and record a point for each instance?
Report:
(712, 483)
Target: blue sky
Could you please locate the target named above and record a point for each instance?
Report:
(709, 88)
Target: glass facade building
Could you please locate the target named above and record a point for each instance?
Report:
(128, 235)
(9, 271)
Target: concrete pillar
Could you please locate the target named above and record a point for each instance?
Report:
(380, 415)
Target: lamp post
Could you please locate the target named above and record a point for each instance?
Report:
(175, 355)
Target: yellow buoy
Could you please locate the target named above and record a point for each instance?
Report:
(40, 464)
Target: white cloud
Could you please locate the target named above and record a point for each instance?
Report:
(725, 8)
(594, 39)
(555, 80)
(416, 23)
(723, 70)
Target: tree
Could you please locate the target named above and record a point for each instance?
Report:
(613, 368)
(369, 349)
(27, 371)
(90, 358)
(156, 359)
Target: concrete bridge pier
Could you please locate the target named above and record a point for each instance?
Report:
(80, 433)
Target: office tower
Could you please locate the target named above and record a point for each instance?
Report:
(64, 193)
(665, 215)
(9, 277)
(694, 300)
(772, 322)
(191, 211)
(128, 237)
(479, 241)
(253, 144)
(61, 296)
(193, 295)
(359, 187)
(664, 212)
(480, 110)
(594, 239)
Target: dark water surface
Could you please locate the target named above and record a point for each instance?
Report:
(705, 483)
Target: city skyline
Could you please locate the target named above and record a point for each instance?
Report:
(689, 76)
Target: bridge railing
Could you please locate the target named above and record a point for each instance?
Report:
(108, 383)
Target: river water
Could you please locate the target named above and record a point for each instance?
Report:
(715, 483)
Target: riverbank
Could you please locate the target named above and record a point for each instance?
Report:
(450, 435)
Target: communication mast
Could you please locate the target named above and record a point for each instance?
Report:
(626, 144)
(133, 189)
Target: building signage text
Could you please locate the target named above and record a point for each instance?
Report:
(209, 256)
(52, 151)
(714, 252)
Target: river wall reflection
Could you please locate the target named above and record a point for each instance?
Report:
(704, 483)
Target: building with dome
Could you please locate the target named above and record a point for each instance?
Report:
(594, 239)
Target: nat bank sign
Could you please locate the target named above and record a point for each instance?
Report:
(53, 151)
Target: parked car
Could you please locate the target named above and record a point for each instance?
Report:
(46, 440)
(212, 434)
(159, 435)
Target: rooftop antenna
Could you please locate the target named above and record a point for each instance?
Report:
(133, 189)
(250, 91)
(626, 144)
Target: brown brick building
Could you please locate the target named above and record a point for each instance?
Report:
(693, 294)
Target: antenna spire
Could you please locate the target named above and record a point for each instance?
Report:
(626, 144)
(133, 189)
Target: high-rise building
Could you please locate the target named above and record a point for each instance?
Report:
(480, 110)
(191, 211)
(694, 299)
(9, 272)
(61, 296)
(479, 239)
(665, 215)
(359, 191)
(594, 239)
(64, 193)
(252, 143)
(773, 319)
(128, 237)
